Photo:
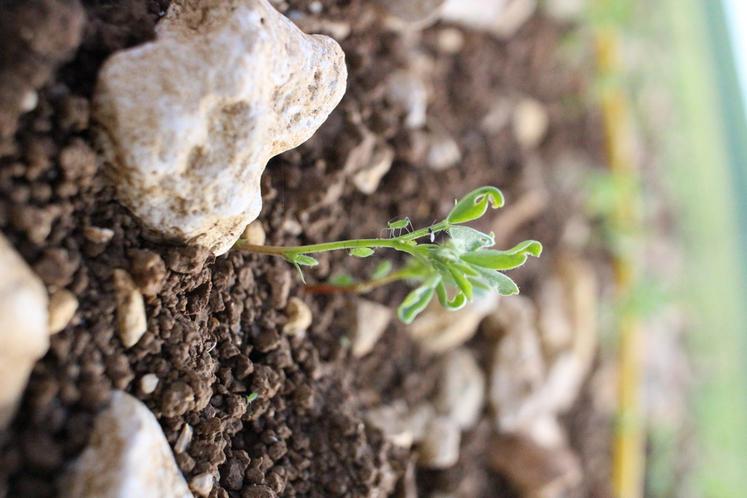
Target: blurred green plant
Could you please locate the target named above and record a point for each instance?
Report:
(456, 269)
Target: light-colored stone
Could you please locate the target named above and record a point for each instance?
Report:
(371, 320)
(518, 369)
(337, 29)
(568, 326)
(498, 116)
(299, 317)
(23, 327)
(530, 122)
(131, 319)
(416, 13)
(502, 18)
(538, 471)
(128, 456)
(254, 234)
(401, 425)
(443, 152)
(407, 89)
(148, 383)
(565, 10)
(190, 120)
(439, 448)
(368, 177)
(202, 484)
(62, 307)
(98, 235)
(438, 330)
(450, 40)
(184, 439)
(461, 388)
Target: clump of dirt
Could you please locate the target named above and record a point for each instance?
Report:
(275, 415)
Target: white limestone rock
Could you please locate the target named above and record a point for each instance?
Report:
(438, 330)
(23, 327)
(128, 456)
(461, 388)
(408, 90)
(501, 18)
(190, 120)
(439, 448)
(371, 321)
(413, 13)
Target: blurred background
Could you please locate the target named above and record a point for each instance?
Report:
(672, 81)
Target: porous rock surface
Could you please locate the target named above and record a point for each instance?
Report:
(190, 120)
(23, 327)
(128, 456)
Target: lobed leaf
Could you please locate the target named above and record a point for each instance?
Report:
(499, 282)
(467, 239)
(457, 302)
(475, 204)
(504, 260)
(417, 300)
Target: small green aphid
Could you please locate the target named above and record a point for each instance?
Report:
(251, 397)
(398, 225)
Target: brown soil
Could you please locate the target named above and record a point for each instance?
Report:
(214, 324)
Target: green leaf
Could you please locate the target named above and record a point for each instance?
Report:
(417, 300)
(382, 269)
(461, 281)
(466, 239)
(467, 269)
(475, 204)
(499, 282)
(302, 260)
(414, 304)
(457, 302)
(504, 260)
(361, 252)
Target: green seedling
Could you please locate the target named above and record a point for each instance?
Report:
(455, 270)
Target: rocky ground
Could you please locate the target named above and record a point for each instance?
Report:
(260, 388)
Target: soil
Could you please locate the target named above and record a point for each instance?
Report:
(215, 324)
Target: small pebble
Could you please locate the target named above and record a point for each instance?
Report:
(254, 234)
(62, 307)
(148, 383)
(450, 40)
(299, 317)
(184, 439)
(98, 235)
(530, 123)
(130, 309)
(202, 484)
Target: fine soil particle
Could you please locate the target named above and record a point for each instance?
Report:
(274, 415)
